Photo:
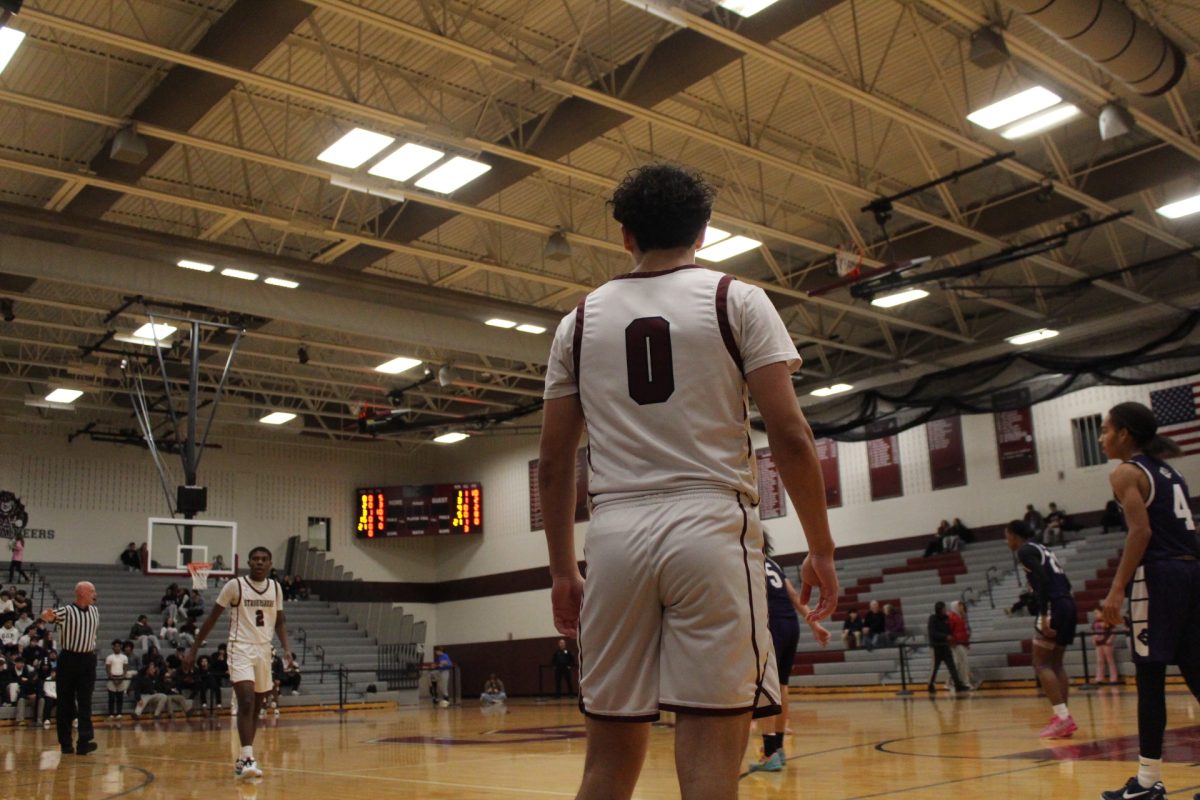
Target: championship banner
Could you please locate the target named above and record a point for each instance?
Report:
(947, 460)
(772, 497)
(883, 461)
(1015, 441)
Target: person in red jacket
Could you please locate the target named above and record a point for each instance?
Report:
(960, 641)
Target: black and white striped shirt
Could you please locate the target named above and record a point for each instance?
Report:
(77, 627)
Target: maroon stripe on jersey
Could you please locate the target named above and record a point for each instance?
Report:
(654, 274)
(723, 320)
(760, 666)
(577, 340)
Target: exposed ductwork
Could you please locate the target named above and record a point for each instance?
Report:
(1114, 38)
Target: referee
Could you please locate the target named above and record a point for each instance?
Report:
(78, 623)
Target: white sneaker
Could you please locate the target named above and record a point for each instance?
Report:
(295, 692)
(46, 724)
(246, 768)
(444, 704)
(277, 712)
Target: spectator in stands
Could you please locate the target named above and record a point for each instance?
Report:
(171, 688)
(175, 660)
(206, 684)
(1102, 640)
(894, 629)
(493, 691)
(1056, 521)
(47, 696)
(21, 603)
(152, 656)
(168, 598)
(950, 540)
(852, 630)
(17, 546)
(288, 589)
(874, 626)
(439, 677)
(287, 676)
(1033, 518)
(935, 545)
(6, 605)
(960, 641)
(9, 635)
(169, 632)
(1113, 517)
(220, 665)
(959, 529)
(195, 606)
(300, 587)
(135, 659)
(21, 680)
(131, 559)
(116, 668)
(143, 634)
(147, 688)
(187, 634)
(23, 622)
(938, 632)
(564, 665)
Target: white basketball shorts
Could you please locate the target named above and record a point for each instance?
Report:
(251, 662)
(674, 610)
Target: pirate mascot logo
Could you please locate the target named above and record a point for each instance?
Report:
(13, 517)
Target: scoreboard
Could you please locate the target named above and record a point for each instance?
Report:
(438, 509)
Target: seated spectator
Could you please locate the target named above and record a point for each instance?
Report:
(288, 589)
(289, 675)
(152, 656)
(893, 624)
(131, 559)
(135, 659)
(874, 626)
(219, 665)
(1056, 520)
(47, 697)
(935, 546)
(965, 535)
(21, 603)
(169, 631)
(148, 689)
(218, 566)
(1033, 518)
(852, 630)
(142, 634)
(950, 540)
(6, 605)
(23, 622)
(9, 635)
(205, 684)
(1113, 517)
(300, 587)
(175, 660)
(493, 691)
(187, 634)
(20, 681)
(171, 688)
(168, 598)
(195, 606)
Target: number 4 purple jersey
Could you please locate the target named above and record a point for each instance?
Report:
(659, 361)
(1172, 528)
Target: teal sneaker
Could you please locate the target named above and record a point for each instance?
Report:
(773, 764)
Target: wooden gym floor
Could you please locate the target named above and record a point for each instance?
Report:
(848, 746)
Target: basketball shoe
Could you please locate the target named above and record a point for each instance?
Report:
(1059, 728)
(1132, 790)
(773, 763)
(246, 768)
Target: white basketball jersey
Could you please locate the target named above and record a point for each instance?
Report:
(251, 610)
(659, 362)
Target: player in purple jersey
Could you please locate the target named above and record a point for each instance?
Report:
(1055, 623)
(1160, 573)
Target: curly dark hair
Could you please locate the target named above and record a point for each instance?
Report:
(663, 206)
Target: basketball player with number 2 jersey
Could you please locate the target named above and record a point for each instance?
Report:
(256, 617)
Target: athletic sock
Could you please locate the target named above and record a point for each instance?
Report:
(769, 746)
(248, 751)
(1061, 712)
(1149, 771)
(779, 741)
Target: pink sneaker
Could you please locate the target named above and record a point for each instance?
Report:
(1059, 728)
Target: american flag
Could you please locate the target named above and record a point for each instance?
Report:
(1178, 413)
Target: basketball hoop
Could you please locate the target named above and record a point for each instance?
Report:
(848, 259)
(199, 571)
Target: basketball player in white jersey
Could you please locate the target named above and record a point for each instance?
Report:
(257, 616)
(656, 364)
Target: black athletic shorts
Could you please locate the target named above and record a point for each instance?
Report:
(1164, 612)
(785, 636)
(1063, 620)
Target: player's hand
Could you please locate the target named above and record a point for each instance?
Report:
(818, 572)
(48, 615)
(289, 663)
(566, 597)
(820, 633)
(189, 660)
(1110, 609)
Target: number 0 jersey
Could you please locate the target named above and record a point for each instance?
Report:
(252, 610)
(1172, 528)
(659, 360)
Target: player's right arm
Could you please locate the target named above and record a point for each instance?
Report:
(562, 427)
(795, 452)
(226, 597)
(1127, 484)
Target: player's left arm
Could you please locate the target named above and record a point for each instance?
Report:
(562, 427)
(1126, 484)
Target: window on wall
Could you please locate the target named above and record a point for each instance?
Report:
(1086, 431)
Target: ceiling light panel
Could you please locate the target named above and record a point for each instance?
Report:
(826, 391)
(1011, 109)
(746, 8)
(1041, 122)
(284, 282)
(159, 331)
(406, 162)
(728, 248)
(240, 274)
(456, 172)
(451, 438)
(198, 266)
(10, 40)
(398, 364)
(527, 328)
(496, 322)
(1181, 208)
(64, 396)
(1033, 336)
(277, 418)
(355, 148)
(899, 298)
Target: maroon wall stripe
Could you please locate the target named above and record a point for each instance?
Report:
(723, 321)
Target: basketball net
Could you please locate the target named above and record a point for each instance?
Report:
(848, 260)
(199, 571)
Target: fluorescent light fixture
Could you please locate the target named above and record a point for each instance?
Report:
(826, 391)
(1041, 122)
(454, 173)
(198, 266)
(277, 418)
(501, 323)
(1181, 208)
(531, 328)
(1033, 336)
(145, 342)
(899, 298)
(355, 148)
(406, 162)
(713, 235)
(1011, 109)
(10, 40)
(452, 437)
(64, 396)
(241, 274)
(746, 8)
(398, 364)
(284, 282)
(728, 248)
(151, 332)
(658, 8)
